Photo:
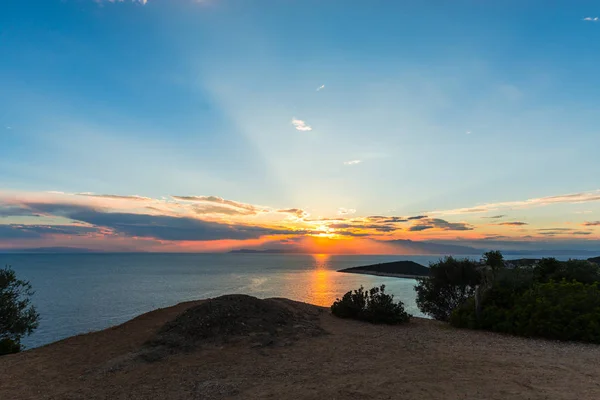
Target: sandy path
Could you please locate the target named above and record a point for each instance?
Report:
(422, 360)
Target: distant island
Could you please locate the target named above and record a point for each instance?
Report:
(396, 269)
(411, 269)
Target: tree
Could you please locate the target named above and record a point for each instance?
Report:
(494, 259)
(450, 283)
(18, 317)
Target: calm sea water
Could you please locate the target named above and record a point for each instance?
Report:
(79, 293)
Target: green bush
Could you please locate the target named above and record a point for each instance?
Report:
(373, 306)
(554, 310)
(573, 270)
(450, 283)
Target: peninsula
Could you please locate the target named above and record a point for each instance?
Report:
(396, 269)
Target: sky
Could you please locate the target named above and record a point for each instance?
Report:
(380, 127)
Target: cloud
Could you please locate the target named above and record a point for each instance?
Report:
(352, 162)
(359, 225)
(301, 125)
(16, 231)
(418, 228)
(7, 210)
(9, 127)
(115, 196)
(468, 132)
(431, 223)
(243, 208)
(320, 88)
(593, 19)
(582, 233)
(515, 223)
(417, 217)
(555, 229)
(575, 198)
(299, 213)
(592, 223)
(346, 211)
(216, 209)
(143, 2)
(381, 218)
(163, 227)
(494, 237)
(495, 216)
(130, 224)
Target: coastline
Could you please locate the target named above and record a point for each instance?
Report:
(386, 274)
(354, 359)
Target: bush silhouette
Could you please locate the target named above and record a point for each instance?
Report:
(553, 310)
(373, 306)
(17, 316)
(450, 283)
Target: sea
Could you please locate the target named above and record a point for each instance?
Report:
(80, 293)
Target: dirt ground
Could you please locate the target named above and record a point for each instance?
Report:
(422, 360)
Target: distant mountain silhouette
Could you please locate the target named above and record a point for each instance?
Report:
(41, 250)
(268, 251)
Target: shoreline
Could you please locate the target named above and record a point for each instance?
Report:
(385, 274)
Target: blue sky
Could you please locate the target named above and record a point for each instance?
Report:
(426, 106)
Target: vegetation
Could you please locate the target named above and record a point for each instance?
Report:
(18, 317)
(450, 283)
(373, 306)
(552, 299)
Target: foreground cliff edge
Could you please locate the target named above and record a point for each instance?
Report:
(320, 356)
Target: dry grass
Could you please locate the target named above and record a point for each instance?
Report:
(421, 360)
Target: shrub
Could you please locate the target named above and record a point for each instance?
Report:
(8, 346)
(373, 306)
(17, 316)
(450, 283)
(573, 270)
(554, 310)
(559, 310)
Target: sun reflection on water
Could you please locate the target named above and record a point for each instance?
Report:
(321, 280)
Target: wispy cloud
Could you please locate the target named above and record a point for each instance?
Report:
(437, 223)
(301, 125)
(495, 216)
(121, 1)
(320, 88)
(346, 211)
(592, 19)
(248, 208)
(352, 162)
(592, 223)
(515, 223)
(9, 127)
(555, 229)
(575, 198)
(297, 212)
(115, 196)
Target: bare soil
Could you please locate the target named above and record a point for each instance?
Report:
(421, 360)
